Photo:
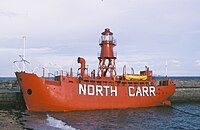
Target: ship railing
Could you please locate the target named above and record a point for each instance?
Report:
(47, 71)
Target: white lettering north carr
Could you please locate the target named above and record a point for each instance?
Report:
(141, 91)
(99, 90)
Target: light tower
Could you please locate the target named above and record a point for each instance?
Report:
(107, 57)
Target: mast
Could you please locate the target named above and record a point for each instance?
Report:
(107, 57)
(166, 70)
(24, 51)
(23, 58)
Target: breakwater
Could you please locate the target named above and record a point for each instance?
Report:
(10, 95)
(186, 91)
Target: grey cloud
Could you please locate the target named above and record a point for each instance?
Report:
(7, 13)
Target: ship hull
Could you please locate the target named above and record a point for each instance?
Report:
(69, 93)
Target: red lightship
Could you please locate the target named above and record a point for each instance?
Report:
(104, 90)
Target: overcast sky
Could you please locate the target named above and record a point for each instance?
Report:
(148, 32)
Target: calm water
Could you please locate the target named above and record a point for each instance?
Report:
(178, 116)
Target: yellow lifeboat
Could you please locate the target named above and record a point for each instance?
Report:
(135, 77)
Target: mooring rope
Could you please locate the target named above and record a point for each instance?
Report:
(189, 113)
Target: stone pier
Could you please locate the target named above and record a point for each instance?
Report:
(189, 94)
(10, 95)
(11, 99)
(186, 91)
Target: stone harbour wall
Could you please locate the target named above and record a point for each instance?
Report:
(187, 83)
(9, 85)
(10, 95)
(188, 94)
(186, 91)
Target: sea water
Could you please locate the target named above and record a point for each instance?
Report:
(178, 116)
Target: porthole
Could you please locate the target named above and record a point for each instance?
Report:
(29, 91)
